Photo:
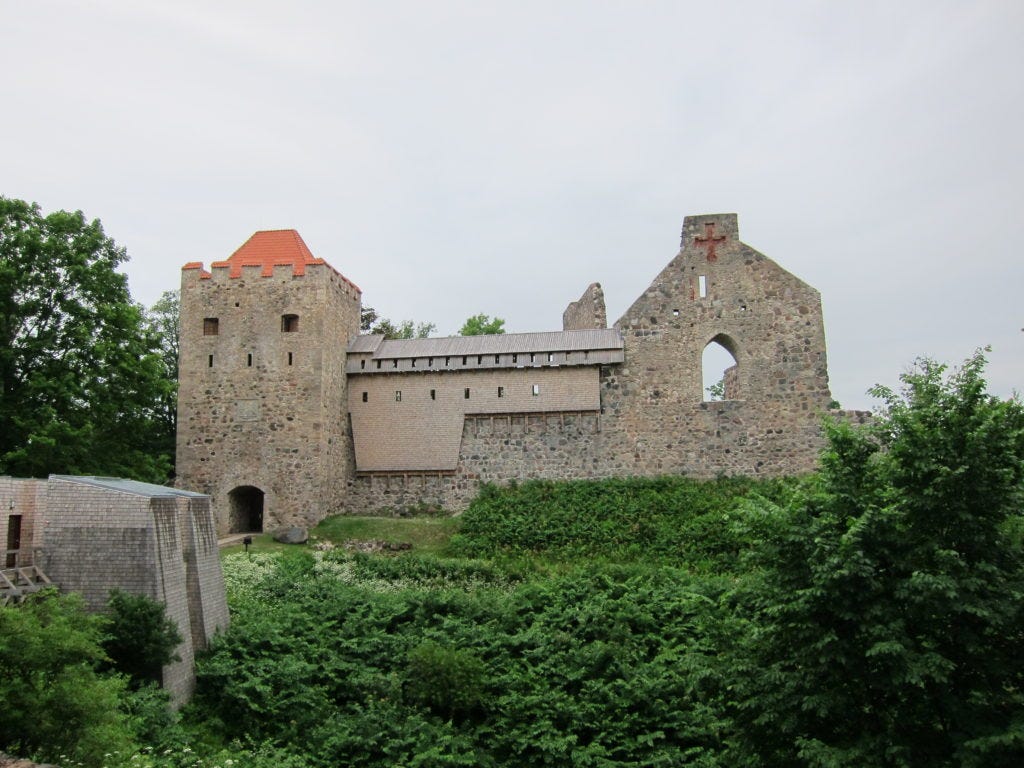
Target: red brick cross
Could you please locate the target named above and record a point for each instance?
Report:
(709, 240)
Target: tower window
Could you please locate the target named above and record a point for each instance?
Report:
(536, 389)
(378, 363)
(447, 361)
(366, 396)
(551, 357)
(479, 359)
(362, 365)
(210, 361)
(433, 394)
(497, 359)
(248, 360)
(515, 358)
(394, 363)
(464, 360)
(465, 393)
(430, 362)
(414, 362)
(289, 323)
(211, 326)
(289, 358)
(702, 286)
(501, 391)
(398, 395)
(533, 357)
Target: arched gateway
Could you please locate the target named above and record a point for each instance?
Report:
(245, 512)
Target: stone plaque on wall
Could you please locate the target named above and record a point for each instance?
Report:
(247, 410)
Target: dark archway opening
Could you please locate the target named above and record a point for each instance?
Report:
(720, 369)
(246, 510)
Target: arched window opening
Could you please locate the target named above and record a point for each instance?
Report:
(245, 513)
(719, 369)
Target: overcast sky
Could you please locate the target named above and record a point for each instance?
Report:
(454, 158)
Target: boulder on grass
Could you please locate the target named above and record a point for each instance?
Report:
(293, 535)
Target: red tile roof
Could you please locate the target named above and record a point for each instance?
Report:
(268, 249)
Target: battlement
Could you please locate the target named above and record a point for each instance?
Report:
(267, 253)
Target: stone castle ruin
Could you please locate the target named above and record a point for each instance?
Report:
(286, 414)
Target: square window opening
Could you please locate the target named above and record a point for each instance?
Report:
(211, 326)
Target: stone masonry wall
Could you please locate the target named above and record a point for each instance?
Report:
(586, 312)
(653, 418)
(259, 406)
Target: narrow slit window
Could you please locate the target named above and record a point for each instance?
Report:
(501, 391)
(464, 359)
(497, 359)
(366, 396)
(211, 326)
(447, 361)
(362, 365)
(536, 389)
(398, 395)
(551, 357)
(465, 393)
(533, 357)
(378, 364)
(414, 362)
(289, 358)
(289, 323)
(430, 362)
(248, 360)
(433, 394)
(394, 363)
(479, 359)
(209, 361)
(702, 286)
(515, 359)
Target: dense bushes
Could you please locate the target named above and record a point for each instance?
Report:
(674, 520)
(612, 665)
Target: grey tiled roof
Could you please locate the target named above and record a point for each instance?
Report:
(127, 486)
(366, 343)
(553, 341)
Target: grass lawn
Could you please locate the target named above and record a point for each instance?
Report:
(426, 534)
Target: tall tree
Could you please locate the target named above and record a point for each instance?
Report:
(163, 320)
(82, 379)
(889, 612)
(482, 325)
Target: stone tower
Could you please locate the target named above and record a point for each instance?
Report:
(262, 398)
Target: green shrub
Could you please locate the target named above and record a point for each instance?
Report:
(140, 638)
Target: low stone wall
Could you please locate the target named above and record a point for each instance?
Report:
(725, 435)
